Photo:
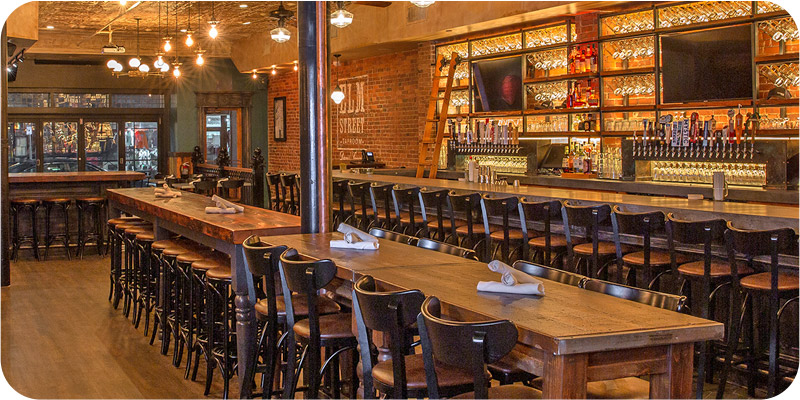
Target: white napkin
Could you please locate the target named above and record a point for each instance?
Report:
(166, 192)
(522, 288)
(343, 244)
(222, 203)
(353, 235)
(219, 182)
(219, 210)
(511, 281)
(191, 184)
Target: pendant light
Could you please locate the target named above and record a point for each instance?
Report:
(341, 17)
(135, 62)
(255, 74)
(176, 70)
(213, 32)
(337, 95)
(281, 34)
(167, 38)
(189, 41)
(422, 3)
(200, 60)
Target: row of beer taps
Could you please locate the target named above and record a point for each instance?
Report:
(692, 138)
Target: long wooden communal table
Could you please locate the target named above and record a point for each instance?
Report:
(570, 336)
(186, 216)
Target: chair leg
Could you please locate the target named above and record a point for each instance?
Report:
(291, 366)
(732, 344)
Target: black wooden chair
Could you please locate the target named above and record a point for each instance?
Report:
(205, 187)
(394, 314)
(231, 189)
(382, 209)
(359, 203)
(447, 248)
(469, 346)
(548, 249)
(471, 233)
(290, 192)
(772, 285)
(504, 233)
(340, 204)
(407, 218)
(306, 276)
(593, 256)
(393, 236)
(274, 189)
(436, 201)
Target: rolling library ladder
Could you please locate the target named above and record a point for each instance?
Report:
(433, 134)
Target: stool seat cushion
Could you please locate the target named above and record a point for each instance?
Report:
(657, 257)
(132, 224)
(719, 268)
(331, 326)
(24, 201)
(300, 304)
(762, 281)
(134, 231)
(174, 251)
(603, 248)
(556, 242)
(146, 236)
(513, 234)
(122, 220)
(506, 392)
(210, 262)
(448, 376)
(223, 273)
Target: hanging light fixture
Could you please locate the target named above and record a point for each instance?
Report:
(159, 64)
(273, 70)
(337, 95)
(422, 3)
(200, 60)
(167, 37)
(255, 75)
(341, 17)
(213, 31)
(295, 66)
(281, 34)
(176, 69)
(189, 41)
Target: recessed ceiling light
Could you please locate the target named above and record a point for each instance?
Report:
(246, 23)
(243, 5)
(51, 27)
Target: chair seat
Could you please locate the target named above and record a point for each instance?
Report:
(347, 207)
(331, 326)
(556, 242)
(300, 304)
(405, 218)
(761, 281)
(123, 220)
(513, 234)
(603, 249)
(147, 236)
(719, 268)
(477, 229)
(506, 392)
(657, 257)
(448, 376)
(623, 388)
(508, 366)
(210, 262)
(433, 223)
(221, 273)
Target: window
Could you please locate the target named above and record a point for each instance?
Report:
(28, 100)
(137, 101)
(81, 100)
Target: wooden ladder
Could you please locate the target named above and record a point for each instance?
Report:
(433, 134)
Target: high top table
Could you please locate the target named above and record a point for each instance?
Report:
(570, 336)
(186, 216)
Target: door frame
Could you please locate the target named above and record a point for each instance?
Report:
(239, 131)
(227, 100)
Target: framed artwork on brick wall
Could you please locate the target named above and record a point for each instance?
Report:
(279, 119)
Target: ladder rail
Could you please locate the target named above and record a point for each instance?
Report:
(432, 122)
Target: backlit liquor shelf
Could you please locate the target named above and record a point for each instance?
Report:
(627, 106)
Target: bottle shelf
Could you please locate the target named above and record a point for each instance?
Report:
(562, 111)
(777, 58)
(565, 77)
(631, 71)
(706, 105)
(778, 102)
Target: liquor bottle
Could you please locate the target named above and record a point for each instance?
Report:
(571, 159)
(594, 58)
(576, 96)
(565, 160)
(593, 100)
(739, 126)
(570, 99)
(572, 61)
(581, 61)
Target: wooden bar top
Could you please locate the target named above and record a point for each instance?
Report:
(565, 320)
(746, 215)
(189, 211)
(81, 176)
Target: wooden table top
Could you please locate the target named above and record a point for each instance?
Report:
(80, 176)
(566, 320)
(189, 211)
(745, 213)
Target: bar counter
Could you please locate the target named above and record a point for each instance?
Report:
(747, 215)
(38, 185)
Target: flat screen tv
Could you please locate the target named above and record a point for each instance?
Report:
(498, 84)
(713, 64)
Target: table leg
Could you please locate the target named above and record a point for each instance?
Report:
(246, 329)
(676, 381)
(565, 376)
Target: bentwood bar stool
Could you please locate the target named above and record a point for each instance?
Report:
(50, 235)
(19, 207)
(90, 215)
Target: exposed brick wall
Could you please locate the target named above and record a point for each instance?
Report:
(396, 89)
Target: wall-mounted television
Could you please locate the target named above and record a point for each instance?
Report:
(713, 64)
(498, 84)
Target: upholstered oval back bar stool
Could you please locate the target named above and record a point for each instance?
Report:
(18, 208)
(773, 284)
(382, 209)
(50, 234)
(91, 213)
(114, 248)
(541, 245)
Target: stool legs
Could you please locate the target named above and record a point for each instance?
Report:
(18, 240)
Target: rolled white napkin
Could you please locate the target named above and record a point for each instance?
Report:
(353, 235)
(511, 276)
(219, 182)
(222, 203)
(191, 184)
(218, 210)
(521, 288)
(343, 244)
(166, 193)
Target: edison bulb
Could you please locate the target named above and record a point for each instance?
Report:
(158, 63)
(200, 59)
(280, 34)
(189, 40)
(295, 67)
(117, 67)
(176, 72)
(255, 75)
(167, 46)
(213, 31)
(274, 72)
(134, 62)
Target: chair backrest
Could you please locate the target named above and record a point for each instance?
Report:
(381, 198)
(650, 297)
(304, 275)
(468, 204)
(274, 185)
(393, 236)
(391, 313)
(447, 248)
(359, 195)
(339, 191)
(494, 207)
(232, 183)
(405, 198)
(542, 211)
(587, 217)
(754, 243)
(638, 224)
(205, 186)
(435, 201)
(288, 180)
(695, 232)
(262, 259)
(553, 274)
(467, 345)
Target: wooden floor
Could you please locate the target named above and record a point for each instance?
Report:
(61, 338)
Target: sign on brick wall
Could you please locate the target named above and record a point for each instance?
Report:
(352, 113)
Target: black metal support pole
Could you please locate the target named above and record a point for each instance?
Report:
(315, 170)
